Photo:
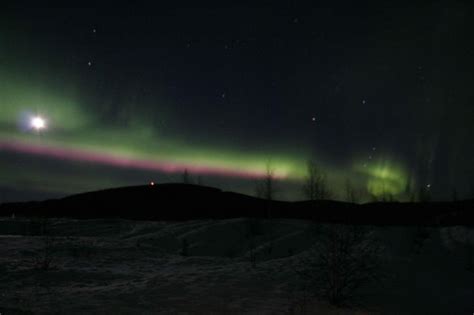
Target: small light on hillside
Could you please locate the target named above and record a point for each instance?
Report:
(152, 183)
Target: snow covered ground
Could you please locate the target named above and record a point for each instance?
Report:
(237, 266)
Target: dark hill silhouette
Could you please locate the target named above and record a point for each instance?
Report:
(190, 202)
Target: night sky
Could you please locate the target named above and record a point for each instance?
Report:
(380, 95)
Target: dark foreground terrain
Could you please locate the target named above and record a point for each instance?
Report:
(184, 249)
(231, 266)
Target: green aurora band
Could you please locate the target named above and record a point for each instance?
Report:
(73, 127)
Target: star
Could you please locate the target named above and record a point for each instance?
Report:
(313, 119)
(89, 63)
(94, 31)
(364, 101)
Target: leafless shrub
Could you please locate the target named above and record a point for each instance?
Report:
(315, 186)
(252, 254)
(266, 188)
(343, 260)
(421, 235)
(186, 179)
(184, 247)
(424, 194)
(351, 194)
(44, 259)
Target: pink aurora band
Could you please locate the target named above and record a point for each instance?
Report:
(105, 158)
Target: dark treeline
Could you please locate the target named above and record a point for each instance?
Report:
(191, 202)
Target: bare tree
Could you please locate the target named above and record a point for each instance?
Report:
(351, 193)
(266, 187)
(412, 197)
(43, 227)
(343, 260)
(383, 196)
(186, 177)
(315, 186)
(454, 194)
(424, 194)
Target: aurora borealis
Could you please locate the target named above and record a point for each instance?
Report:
(135, 94)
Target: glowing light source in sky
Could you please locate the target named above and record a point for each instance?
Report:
(38, 123)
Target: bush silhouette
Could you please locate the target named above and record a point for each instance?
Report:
(342, 260)
(315, 185)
